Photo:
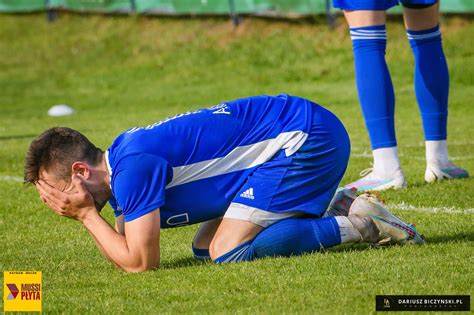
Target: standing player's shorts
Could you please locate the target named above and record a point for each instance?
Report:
(379, 4)
(301, 184)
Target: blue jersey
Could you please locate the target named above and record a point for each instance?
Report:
(192, 165)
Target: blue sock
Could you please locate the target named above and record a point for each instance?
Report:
(286, 238)
(431, 81)
(374, 84)
(200, 254)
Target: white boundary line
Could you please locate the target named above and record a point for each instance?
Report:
(450, 143)
(8, 178)
(421, 145)
(451, 210)
(368, 155)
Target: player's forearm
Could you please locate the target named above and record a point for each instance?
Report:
(114, 245)
(102, 251)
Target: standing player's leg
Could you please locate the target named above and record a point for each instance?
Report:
(431, 86)
(366, 20)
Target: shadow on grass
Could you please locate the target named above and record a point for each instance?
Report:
(183, 262)
(437, 239)
(462, 236)
(351, 248)
(420, 184)
(186, 262)
(439, 185)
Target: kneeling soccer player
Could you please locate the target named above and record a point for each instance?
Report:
(260, 173)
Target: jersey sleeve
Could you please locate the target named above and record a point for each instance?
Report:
(138, 184)
(113, 204)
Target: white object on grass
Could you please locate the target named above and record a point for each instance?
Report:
(60, 110)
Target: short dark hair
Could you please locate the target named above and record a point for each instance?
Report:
(56, 150)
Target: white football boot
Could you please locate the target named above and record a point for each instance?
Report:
(435, 172)
(391, 229)
(373, 182)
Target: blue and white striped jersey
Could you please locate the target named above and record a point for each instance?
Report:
(192, 165)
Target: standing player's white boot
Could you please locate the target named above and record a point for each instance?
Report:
(438, 165)
(391, 229)
(385, 174)
(436, 172)
(374, 182)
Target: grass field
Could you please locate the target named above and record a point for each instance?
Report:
(119, 72)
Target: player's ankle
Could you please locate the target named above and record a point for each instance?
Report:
(437, 153)
(367, 229)
(438, 162)
(386, 163)
(356, 229)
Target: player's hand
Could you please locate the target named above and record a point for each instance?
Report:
(75, 204)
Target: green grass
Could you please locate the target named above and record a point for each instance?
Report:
(119, 72)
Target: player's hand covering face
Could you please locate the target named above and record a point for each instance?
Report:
(73, 202)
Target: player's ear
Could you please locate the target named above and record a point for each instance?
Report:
(81, 169)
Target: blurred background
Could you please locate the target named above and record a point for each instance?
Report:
(186, 7)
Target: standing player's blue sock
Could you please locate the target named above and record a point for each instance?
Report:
(431, 81)
(288, 237)
(374, 84)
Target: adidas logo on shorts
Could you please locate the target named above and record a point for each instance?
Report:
(248, 194)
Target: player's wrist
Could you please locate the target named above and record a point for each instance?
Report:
(89, 215)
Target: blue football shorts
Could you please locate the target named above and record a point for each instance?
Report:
(377, 4)
(301, 184)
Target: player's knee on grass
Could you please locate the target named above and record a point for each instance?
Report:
(292, 236)
(230, 234)
(203, 238)
(206, 233)
(200, 253)
(223, 244)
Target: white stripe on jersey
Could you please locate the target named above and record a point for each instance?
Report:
(238, 159)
